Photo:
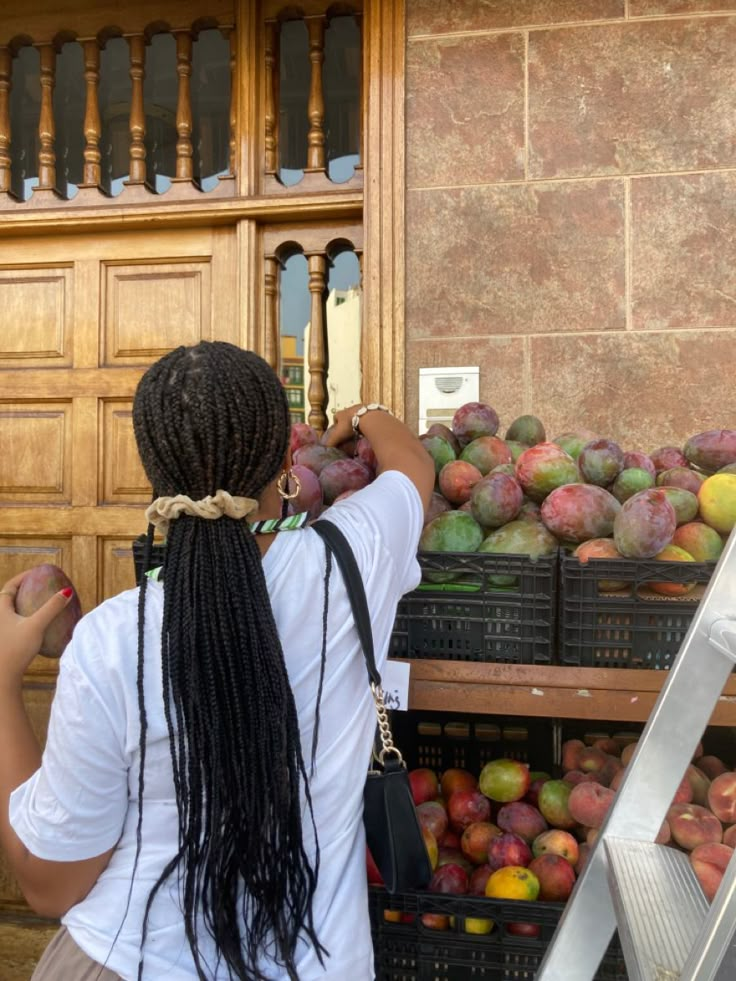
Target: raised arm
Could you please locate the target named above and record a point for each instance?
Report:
(395, 445)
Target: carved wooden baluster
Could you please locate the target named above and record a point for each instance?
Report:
(271, 113)
(46, 126)
(137, 166)
(6, 63)
(92, 174)
(316, 104)
(184, 169)
(317, 265)
(271, 345)
(232, 36)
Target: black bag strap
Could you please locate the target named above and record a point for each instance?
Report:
(338, 544)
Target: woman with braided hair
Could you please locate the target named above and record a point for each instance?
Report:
(197, 812)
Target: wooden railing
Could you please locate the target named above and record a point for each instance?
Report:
(318, 245)
(90, 188)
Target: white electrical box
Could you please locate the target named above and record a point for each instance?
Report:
(442, 391)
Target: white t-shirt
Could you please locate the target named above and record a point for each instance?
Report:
(83, 800)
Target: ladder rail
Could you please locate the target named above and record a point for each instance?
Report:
(680, 715)
(713, 957)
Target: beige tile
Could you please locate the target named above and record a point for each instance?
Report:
(643, 390)
(649, 8)
(501, 363)
(633, 98)
(465, 110)
(446, 16)
(683, 251)
(516, 259)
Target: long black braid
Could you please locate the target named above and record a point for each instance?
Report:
(207, 418)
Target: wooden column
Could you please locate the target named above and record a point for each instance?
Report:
(92, 173)
(6, 69)
(317, 264)
(46, 126)
(184, 170)
(271, 100)
(233, 39)
(137, 167)
(271, 327)
(316, 104)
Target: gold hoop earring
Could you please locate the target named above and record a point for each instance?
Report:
(283, 485)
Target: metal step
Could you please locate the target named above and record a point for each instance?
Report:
(659, 906)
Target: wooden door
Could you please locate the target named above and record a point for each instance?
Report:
(81, 316)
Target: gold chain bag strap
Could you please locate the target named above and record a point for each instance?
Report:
(392, 830)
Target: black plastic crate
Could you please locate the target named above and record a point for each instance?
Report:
(479, 607)
(442, 740)
(157, 557)
(630, 628)
(409, 950)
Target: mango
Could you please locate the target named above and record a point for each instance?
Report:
(526, 429)
(630, 481)
(666, 457)
(644, 525)
(37, 586)
(673, 553)
(576, 512)
(451, 531)
(684, 502)
(601, 461)
(495, 500)
(542, 468)
(518, 538)
(439, 449)
(486, 452)
(515, 448)
(717, 502)
(681, 477)
(641, 460)
(572, 443)
(711, 450)
(474, 419)
(601, 548)
(700, 540)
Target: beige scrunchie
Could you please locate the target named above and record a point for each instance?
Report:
(167, 509)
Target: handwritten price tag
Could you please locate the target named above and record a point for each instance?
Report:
(395, 679)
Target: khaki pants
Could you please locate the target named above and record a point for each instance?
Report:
(63, 960)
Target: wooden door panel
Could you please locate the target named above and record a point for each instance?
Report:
(151, 308)
(22, 941)
(123, 478)
(117, 569)
(35, 462)
(36, 307)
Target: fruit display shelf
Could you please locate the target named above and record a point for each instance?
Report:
(423, 936)
(479, 607)
(610, 616)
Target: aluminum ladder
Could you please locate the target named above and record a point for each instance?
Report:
(667, 930)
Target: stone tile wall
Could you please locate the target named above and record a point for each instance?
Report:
(571, 209)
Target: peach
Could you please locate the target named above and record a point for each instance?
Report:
(617, 780)
(450, 839)
(627, 752)
(433, 816)
(585, 850)
(589, 803)
(522, 819)
(523, 929)
(711, 766)
(729, 836)
(451, 879)
(611, 767)
(435, 921)
(684, 793)
(556, 877)
(476, 839)
(699, 784)
(466, 807)
(556, 842)
(577, 776)
(591, 760)
(571, 749)
(456, 779)
(608, 746)
(424, 785)
(722, 797)
(693, 825)
(709, 863)
(508, 849)
(591, 836)
(664, 835)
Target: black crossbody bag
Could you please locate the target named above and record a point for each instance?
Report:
(392, 830)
